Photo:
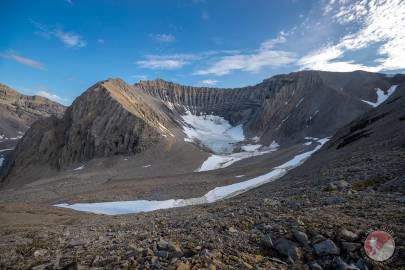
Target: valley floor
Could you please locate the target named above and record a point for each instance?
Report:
(285, 224)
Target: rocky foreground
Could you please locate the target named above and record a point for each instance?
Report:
(264, 229)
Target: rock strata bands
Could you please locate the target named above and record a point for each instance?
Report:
(110, 118)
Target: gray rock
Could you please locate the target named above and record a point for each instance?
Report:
(301, 237)
(162, 244)
(342, 265)
(318, 238)
(267, 241)
(288, 249)
(326, 247)
(348, 235)
(162, 254)
(315, 266)
(339, 185)
(334, 200)
(293, 204)
(75, 243)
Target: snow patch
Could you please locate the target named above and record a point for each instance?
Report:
(79, 168)
(146, 166)
(251, 150)
(299, 102)
(213, 131)
(7, 149)
(381, 96)
(218, 193)
(239, 176)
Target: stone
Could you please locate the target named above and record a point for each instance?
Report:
(315, 266)
(162, 244)
(162, 254)
(288, 249)
(183, 266)
(326, 247)
(339, 185)
(301, 237)
(342, 265)
(232, 230)
(350, 246)
(348, 235)
(40, 253)
(267, 241)
(75, 243)
(318, 238)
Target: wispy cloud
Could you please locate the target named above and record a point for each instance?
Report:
(166, 38)
(51, 96)
(70, 39)
(70, 2)
(265, 56)
(167, 62)
(379, 23)
(101, 41)
(23, 60)
(209, 82)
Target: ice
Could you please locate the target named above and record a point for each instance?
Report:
(218, 193)
(251, 147)
(250, 150)
(381, 96)
(79, 168)
(213, 131)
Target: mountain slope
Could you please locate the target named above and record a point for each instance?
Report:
(18, 112)
(112, 119)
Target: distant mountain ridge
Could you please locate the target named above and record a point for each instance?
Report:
(18, 111)
(114, 118)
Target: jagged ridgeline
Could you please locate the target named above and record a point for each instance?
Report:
(114, 118)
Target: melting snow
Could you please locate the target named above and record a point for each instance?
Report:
(79, 168)
(251, 150)
(218, 193)
(381, 96)
(213, 131)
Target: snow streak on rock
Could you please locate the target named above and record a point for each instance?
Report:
(381, 96)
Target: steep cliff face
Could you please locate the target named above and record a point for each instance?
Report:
(110, 118)
(18, 112)
(235, 105)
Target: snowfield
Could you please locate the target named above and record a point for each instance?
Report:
(213, 131)
(216, 194)
(381, 96)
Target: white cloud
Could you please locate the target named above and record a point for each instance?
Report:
(53, 97)
(265, 56)
(166, 38)
(167, 62)
(23, 60)
(380, 23)
(101, 41)
(70, 39)
(209, 82)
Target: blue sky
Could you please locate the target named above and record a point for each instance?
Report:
(59, 48)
